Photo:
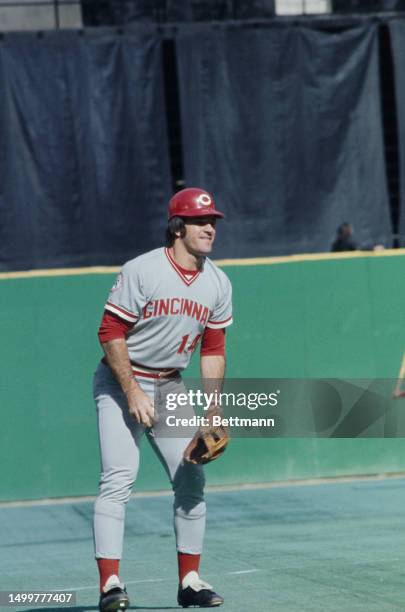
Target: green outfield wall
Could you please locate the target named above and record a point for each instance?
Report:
(338, 317)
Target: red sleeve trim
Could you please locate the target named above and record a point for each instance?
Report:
(112, 327)
(121, 312)
(220, 324)
(213, 342)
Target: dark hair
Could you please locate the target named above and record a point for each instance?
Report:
(176, 224)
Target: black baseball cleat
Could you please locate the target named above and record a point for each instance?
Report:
(195, 592)
(114, 596)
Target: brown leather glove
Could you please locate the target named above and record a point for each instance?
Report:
(208, 443)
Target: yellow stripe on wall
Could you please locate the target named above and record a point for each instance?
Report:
(251, 261)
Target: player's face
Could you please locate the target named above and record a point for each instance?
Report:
(200, 234)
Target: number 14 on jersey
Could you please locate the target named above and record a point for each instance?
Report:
(188, 348)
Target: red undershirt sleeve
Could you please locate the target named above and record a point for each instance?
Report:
(213, 342)
(112, 327)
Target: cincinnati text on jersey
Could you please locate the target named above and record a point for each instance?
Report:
(176, 306)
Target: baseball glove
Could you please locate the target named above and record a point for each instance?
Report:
(208, 443)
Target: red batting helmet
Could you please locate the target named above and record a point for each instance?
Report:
(193, 202)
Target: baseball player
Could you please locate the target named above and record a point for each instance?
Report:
(162, 305)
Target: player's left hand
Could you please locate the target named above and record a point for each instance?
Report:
(209, 442)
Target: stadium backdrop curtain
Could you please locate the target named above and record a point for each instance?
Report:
(397, 32)
(283, 125)
(119, 12)
(83, 153)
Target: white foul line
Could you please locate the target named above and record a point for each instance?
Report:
(95, 586)
(87, 588)
(251, 571)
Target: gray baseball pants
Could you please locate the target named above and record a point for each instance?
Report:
(120, 437)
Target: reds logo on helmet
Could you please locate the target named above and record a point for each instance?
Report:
(193, 202)
(204, 199)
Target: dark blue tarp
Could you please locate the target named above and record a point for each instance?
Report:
(119, 12)
(283, 125)
(83, 150)
(397, 31)
(367, 6)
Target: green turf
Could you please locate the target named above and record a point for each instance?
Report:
(331, 547)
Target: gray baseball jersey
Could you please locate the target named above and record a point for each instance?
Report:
(168, 307)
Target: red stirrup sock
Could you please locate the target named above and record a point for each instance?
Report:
(106, 568)
(187, 563)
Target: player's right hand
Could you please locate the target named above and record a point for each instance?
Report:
(141, 407)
